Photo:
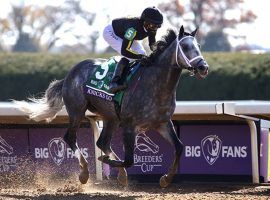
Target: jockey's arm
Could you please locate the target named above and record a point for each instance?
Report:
(152, 39)
(127, 43)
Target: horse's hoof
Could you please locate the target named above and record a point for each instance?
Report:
(103, 158)
(163, 182)
(83, 177)
(122, 179)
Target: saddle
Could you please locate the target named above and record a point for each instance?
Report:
(99, 81)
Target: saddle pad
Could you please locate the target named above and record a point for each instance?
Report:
(99, 81)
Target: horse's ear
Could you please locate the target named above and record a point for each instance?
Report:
(194, 32)
(181, 32)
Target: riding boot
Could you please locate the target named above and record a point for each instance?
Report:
(115, 86)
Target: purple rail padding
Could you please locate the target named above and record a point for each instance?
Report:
(51, 153)
(216, 149)
(13, 149)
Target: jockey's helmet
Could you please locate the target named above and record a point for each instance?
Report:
(152, 18)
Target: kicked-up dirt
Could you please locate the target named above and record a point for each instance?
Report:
(45, 187)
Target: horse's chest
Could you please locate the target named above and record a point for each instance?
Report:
(156, 115)
(149, 111)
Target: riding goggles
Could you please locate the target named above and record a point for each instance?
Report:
(151, 26)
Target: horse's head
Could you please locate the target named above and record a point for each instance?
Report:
(57, 149)
(211, 146)
(188, 54)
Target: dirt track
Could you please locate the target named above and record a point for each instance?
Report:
(65, 189)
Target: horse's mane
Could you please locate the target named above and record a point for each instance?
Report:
(161, 45)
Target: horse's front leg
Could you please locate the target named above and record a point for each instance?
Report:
(169, 133)
(71, 139)
(104, 143)
(128, 140)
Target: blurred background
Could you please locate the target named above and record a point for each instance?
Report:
(77, 25)
(37, 35)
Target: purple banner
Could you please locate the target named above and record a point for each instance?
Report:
(216, 149)
(51, 153)
(13, 149)
(152, 153)
(264, 154)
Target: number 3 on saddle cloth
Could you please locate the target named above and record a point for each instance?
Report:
(99, 81)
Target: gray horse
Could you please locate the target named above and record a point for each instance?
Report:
(148, 102)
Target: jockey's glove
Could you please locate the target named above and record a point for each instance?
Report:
(152, 47)
(145, 60)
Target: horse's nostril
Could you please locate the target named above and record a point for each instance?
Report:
(202, 67)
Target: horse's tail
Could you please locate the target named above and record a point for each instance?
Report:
(46, 107)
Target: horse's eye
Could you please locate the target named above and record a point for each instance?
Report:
(185, 47)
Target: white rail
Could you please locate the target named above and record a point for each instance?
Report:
(182, 107)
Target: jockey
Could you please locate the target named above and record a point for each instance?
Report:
(122, 35)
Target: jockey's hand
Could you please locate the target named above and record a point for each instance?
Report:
(152, 47)
(145, 60)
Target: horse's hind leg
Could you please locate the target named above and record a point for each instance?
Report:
(104, 143)
(76, 114)
(169, 133)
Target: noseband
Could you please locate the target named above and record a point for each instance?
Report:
(187, 61)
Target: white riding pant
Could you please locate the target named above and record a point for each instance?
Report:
(116, 42)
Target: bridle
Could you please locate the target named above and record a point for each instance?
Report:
(187, 61)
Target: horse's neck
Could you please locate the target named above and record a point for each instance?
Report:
(161, 79)
(169, 74)
(164, 78)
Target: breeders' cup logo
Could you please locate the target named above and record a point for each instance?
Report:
(150, 157)
(211, 146)
(57, 149)
(7, 162)
(5, 147)
(144, 143)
